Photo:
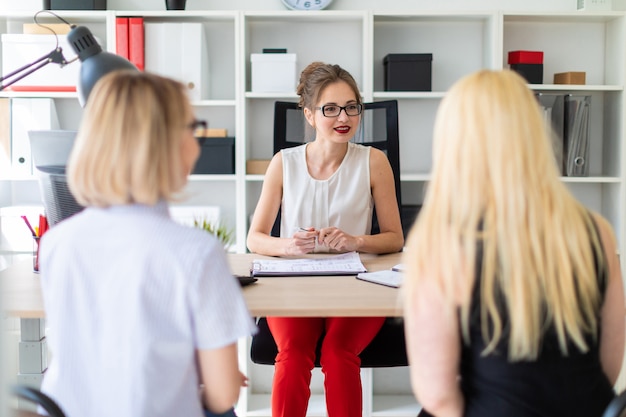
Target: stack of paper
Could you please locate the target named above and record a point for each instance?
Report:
(344, 264)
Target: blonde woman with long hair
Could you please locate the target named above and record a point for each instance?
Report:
(514, 303)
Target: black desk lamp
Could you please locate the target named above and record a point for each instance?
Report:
(95, 62)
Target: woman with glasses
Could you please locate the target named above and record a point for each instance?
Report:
(326, 190)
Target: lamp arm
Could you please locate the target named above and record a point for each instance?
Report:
(55, 56)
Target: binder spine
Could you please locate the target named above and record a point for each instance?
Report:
(577, 135)
(136, 42)
(553, 106)
(121, 36)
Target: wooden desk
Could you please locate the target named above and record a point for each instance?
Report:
(279, 296)
(321, 295)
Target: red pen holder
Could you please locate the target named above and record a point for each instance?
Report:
(36, 254)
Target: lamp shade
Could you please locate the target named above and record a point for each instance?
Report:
(95, 63)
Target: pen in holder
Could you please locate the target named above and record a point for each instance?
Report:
(36, 253)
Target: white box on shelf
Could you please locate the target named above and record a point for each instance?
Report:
(593, 5)
(273, 73)
(19, 50)
(179, 51)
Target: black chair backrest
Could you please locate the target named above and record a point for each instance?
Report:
(35, 396)
(379, 128)
(617, 407)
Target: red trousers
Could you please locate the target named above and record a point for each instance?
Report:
(296, 338)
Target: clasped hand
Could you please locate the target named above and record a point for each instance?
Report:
(305, 240)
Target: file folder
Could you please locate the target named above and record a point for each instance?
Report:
(553, 106)
(576, 145)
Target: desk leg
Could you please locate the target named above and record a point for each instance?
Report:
(33, 355)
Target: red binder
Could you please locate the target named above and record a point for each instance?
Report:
(121, 36)
(136, 42)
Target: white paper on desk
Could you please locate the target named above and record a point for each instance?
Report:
(387, 277)
(344, 264)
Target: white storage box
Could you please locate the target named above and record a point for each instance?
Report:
(19, 50)
(273, 73)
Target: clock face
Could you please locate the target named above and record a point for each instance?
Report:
(307, 4)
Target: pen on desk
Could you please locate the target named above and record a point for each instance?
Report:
(29, 226)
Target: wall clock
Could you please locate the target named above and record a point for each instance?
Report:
(307, 4)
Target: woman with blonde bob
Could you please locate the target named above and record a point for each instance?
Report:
(144, 314)
(514, 303)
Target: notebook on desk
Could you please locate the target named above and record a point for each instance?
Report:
(389, 277)
(344, 264)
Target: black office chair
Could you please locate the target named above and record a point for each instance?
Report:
(379, 128)
(37, 397)
(617, 407)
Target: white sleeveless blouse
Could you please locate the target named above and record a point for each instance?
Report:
(344, 200)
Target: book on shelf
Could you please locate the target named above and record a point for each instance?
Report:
(121, 36)
(136, 43)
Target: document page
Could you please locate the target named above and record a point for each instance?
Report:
(390, 278)
(343, 264)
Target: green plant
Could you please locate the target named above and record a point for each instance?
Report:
(218, 229)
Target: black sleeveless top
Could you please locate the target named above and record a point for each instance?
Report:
(552, 385)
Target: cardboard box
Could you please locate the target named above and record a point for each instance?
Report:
(217, 156)
(257, 166)
(572, 77)
(212, 133)
(19, 50)
(44, 28)
(408, 72)
(273, 73)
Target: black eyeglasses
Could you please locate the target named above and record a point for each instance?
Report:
(333, 110)
(197, 124)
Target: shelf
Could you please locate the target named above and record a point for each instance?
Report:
(400, 95)
(575, 87)
(214, 103)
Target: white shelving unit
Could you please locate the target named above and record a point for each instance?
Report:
(358, 40)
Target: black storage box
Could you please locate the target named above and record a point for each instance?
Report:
(75, 4)
(217, 156)
(408, 72)
(533, 73)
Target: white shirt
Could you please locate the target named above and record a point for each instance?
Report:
(344, 200)
(130, 296)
